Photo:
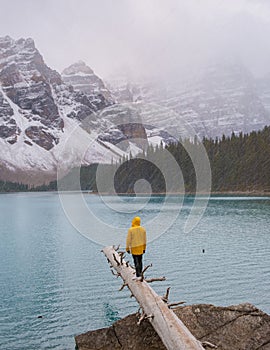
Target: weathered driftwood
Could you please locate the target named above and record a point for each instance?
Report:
(150, 280)
(210, 345)
(176, 304)
(171, 330)
(165, 297)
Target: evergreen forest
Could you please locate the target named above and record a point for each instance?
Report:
(238, 163)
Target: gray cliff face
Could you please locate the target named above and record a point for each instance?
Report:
(218, 100)
(224, 100)
(35, 92)
(37, 112)
(241, 327)
(8, 128)
(117, 123)
(26, 82)
(83, 79)
(123, 125)
(39, 107)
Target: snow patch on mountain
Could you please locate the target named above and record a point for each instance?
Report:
(220, 99)
(83, 79)
(39, 116)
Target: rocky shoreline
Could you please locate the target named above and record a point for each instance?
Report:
(237, 327)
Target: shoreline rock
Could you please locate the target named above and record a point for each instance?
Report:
(236, 327)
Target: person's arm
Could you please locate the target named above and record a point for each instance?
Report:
(128, 241)
(144, 241)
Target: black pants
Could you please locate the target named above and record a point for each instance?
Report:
(138, 264)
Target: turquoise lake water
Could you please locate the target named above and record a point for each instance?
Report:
(49, 269)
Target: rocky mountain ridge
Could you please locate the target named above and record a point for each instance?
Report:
(83, 79)
(39, 112)
(40, 109)
(219, 99)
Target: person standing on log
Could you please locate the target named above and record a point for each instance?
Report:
(136, 245)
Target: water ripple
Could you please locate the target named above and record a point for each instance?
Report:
(49, 270)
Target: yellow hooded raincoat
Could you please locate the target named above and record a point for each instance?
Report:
(136, 238)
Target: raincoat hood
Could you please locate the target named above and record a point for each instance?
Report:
(136, 221)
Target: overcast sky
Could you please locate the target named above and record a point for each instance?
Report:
(144, 36)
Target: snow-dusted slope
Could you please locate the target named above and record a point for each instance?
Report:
(25, 84)
(118, 124)
(49, 121)
(83, 79)
(263, 87)
(218, 100)
(38, 116)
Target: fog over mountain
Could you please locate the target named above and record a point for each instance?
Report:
(166, 39)
(150, 70)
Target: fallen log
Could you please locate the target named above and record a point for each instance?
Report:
(171, 330)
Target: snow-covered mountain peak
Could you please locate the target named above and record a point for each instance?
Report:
(76, 68)
(83, 79)
(37, 110)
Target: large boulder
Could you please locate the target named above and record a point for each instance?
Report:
(240, 327)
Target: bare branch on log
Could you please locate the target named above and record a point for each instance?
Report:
(138, 313)
(144, 317)
(122, 287)
(176, 304)
(150, 280)
(210, 345)
(146, 267)
(117, 262)
(149, 317)
(141, 318)
(115, 274)
(111, 266)
(165, 297)
(122, 256)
